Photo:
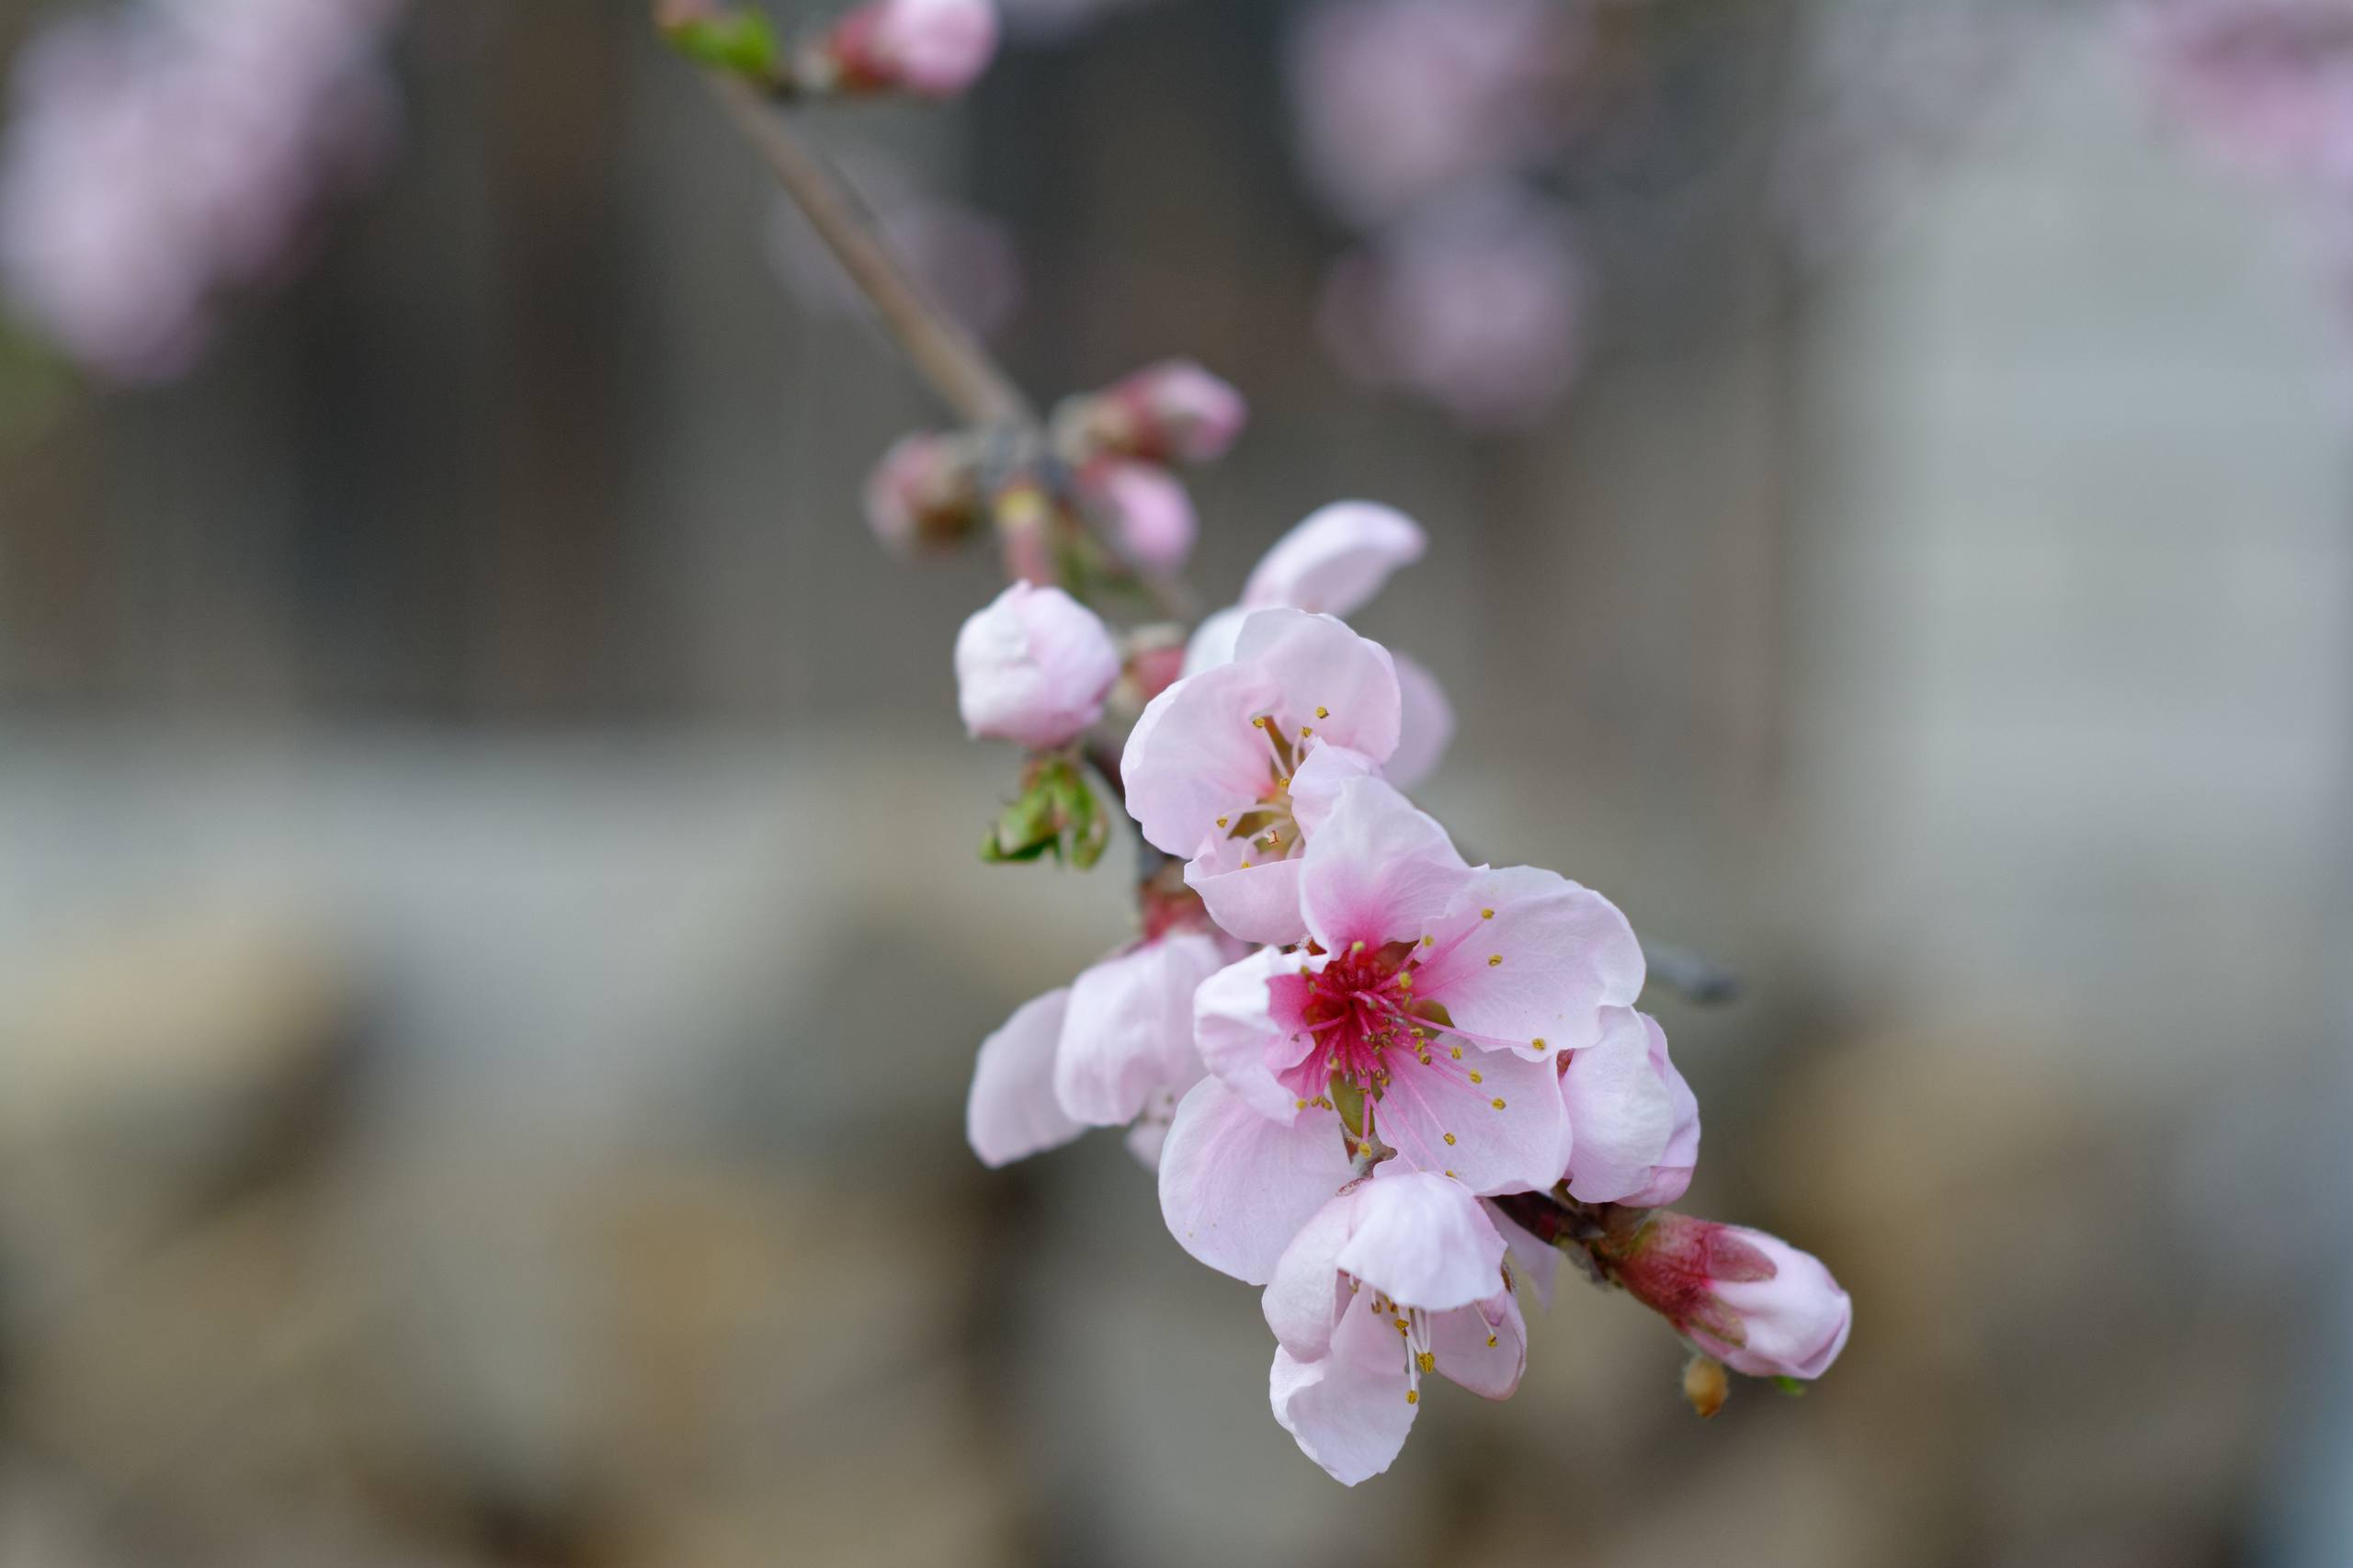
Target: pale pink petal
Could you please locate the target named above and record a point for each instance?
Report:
(1315, 788)
(1235, 1187)
(1426, 725)
(1232, 1026)
(1312, 663)
(1528, 956)
(1151, 507)
(1347, 1412)
(1150, 1132)
(1508, 1128)
(1672, 1176)
(1033, 667)
(1253, 903)
(1306, 1295)
(1534, 1265)
(1194, 756)
(1620, 1112)
(1213, 641)
(1130, 1028)
(1423, 1240)
(1377, 870)
(1012, 1112)
(1797, 1321)
(1337, 560)
(1465, 1357)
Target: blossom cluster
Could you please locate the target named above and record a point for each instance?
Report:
(1419, 124)
(1346, 1049)
(931, 49)
(163, 155)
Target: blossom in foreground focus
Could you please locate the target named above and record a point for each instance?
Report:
(1397, 1279)
(1425, 1010)
(1333, 564)
(1034, 667)
(1231, 767)
(1633, 1122)
(935, 48)
(1753, 1301)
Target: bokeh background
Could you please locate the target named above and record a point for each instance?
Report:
(491, 950)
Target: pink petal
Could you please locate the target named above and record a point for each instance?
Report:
(1315, 788)
(1314, 662)
(1535, 1265)
(1424, 1241)
(1337, 560)
(1213, 641)
(1345, 1413)
(1194, 756)
(1305, 1297)
(1377, 870)
(1254, 904)
(1234, 1024)
(1620, 1112)
(1235, 1187)
(1466, 1360)
(1426, 725)
(1565, 953)
(1012, 1112)
(1516, 1149)
(1130, 1028)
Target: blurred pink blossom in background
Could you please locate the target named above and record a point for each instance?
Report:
(2266, 85)
(1397, 100)
(160, 156)
(1478, 306)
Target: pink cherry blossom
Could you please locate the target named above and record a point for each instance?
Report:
(1399, 99)
(1172, 412)
(1399, 1278)
(1151, 514)
(1333, 564)
(1477, 305)
(1034, 667)
(1113, 1048)
(2265, 85)
(1230, 766)
(936, 48)
(923, 494)
(1430, 1000)
(1753, 1301)
(1634, 1123)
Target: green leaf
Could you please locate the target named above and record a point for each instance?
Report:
(741, 41)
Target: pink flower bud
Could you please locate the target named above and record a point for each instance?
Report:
(1149, 512)
(936, 48)
(1172, 412)
(1751, 1300)
(923, 494)
(1033, 667)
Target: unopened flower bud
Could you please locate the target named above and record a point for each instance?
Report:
(1033, 667)
(1751, 1300)
(1172, 412)
(934, 48)
(924, 494)
(1149, 513)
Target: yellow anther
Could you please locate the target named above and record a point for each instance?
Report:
(1305, 730)
(1245, 865)
(1322, 712)
(1356, 946)
(1426, 1361)
(1302, 1105)
(1430, 941)
(1476, 1077)
(1490, 1342)
(1259, 723)
(1486, 915)
(1450, 1175)
(1498, 1102)
(1412, 1396)
(1223, 822)
(1493, 958)
(1456, 1054)
(1538, 1043)
(1450, 1139)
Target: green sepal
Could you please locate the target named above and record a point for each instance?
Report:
(1056, 813)
(741, 41)
(1791, 1386)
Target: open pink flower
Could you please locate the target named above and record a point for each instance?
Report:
(1426, 1009)
(1113, 1048)
(1034, 667)
(936, 48)
(1633, 1122)
(1753, 1301)
(1333, 564)
(1398, 1278)
(1231, 768)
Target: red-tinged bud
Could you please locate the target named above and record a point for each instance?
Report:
(1751, 1300)
(934, 49)
(925, 495)
(1172, 412)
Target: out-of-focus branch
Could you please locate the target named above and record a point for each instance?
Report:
(1692, 975)
(948, 356)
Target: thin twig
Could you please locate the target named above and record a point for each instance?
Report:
(943, 353)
